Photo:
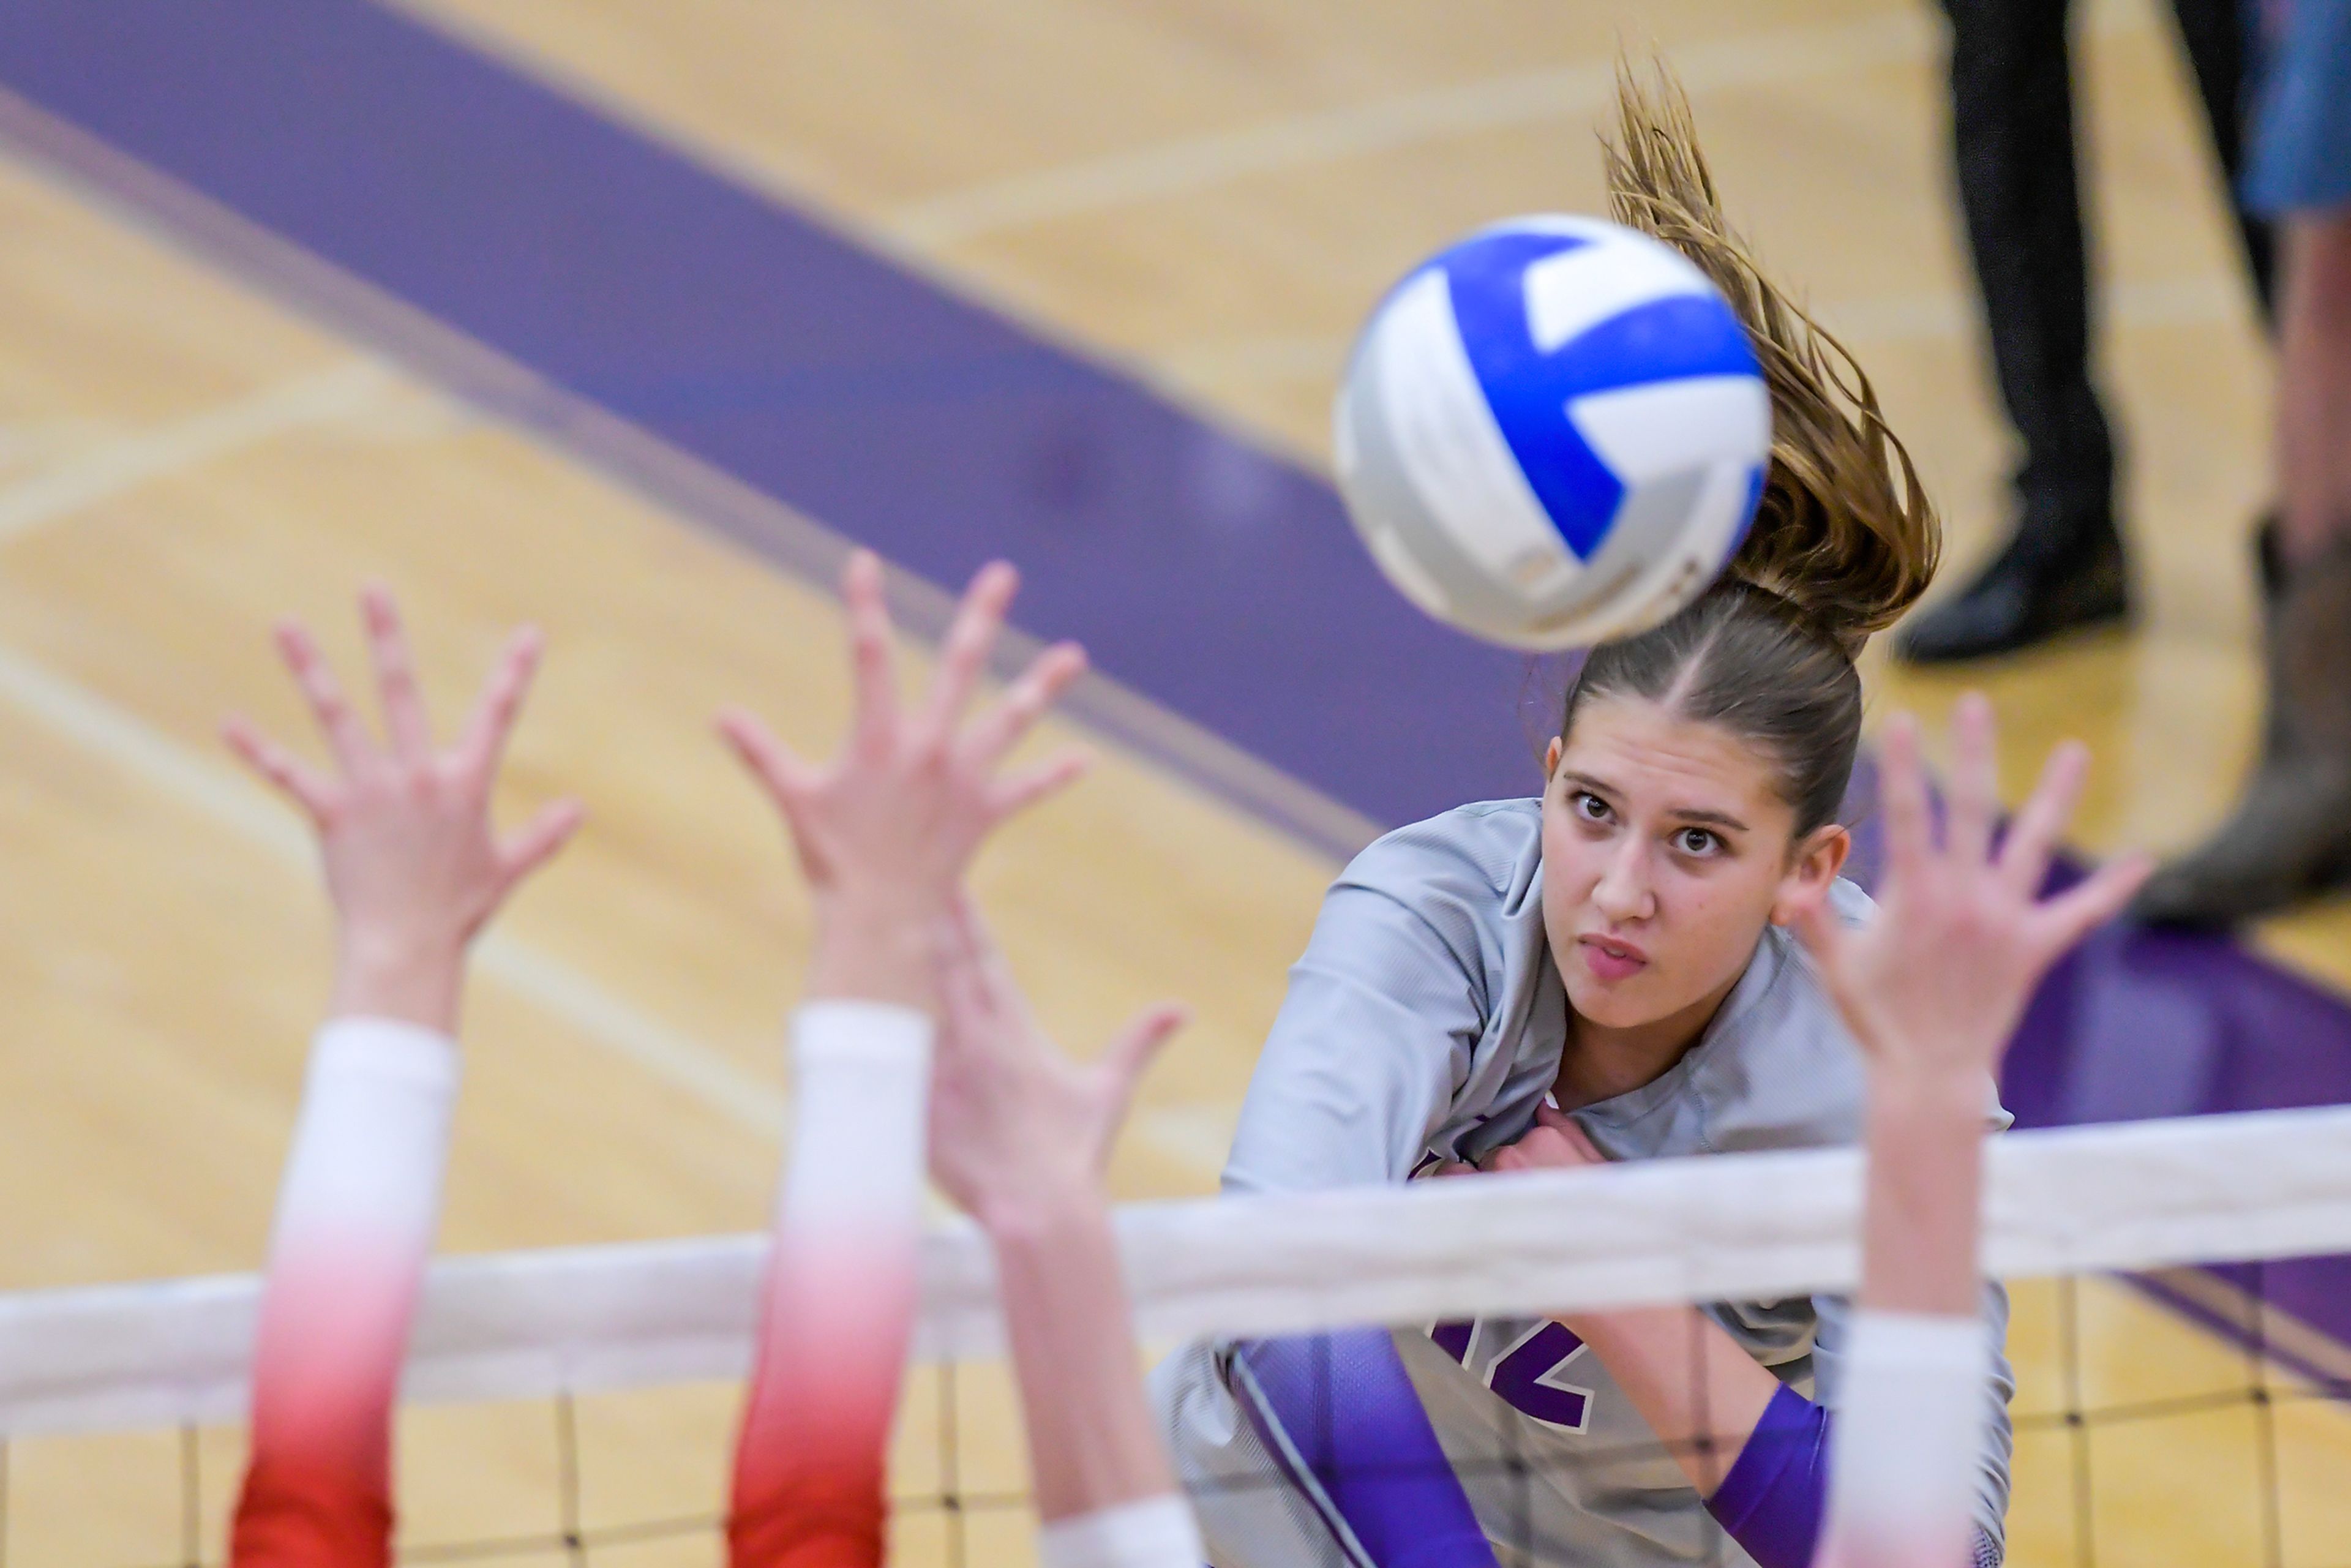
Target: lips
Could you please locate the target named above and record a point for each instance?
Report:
(1610, 960)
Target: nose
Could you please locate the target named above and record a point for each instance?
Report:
(1624, 891)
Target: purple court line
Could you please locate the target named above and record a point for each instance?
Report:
(774, 382)
(777, 381)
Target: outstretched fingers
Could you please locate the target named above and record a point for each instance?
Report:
(1910, 841)
(1129, 1056)
(483, 745)
(354, 749)
(2033, 836)
(963, 653)
(776, 767)
(2064, 920)
(309, 790)
(1975, 783)
(535, 843)
(405, 723)
(996, 732)
(1019, 791)
(872, 672)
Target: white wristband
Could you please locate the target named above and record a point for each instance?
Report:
(372, 1134)
(1909, 1433)
(861, 1090)
(1154, 1532)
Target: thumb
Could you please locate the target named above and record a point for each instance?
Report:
(1822, 934)
(1130, 1054)
(536, 842)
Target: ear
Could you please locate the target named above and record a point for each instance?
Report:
(1814, 863)
(1551, 757)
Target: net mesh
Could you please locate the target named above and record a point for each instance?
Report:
(2181, 1293)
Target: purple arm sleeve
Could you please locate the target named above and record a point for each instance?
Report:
(1771, 1502)
(1339, 1416)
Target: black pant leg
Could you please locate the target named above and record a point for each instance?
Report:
(2215, 33)
(2013, 131)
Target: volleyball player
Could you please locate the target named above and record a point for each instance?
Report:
(414, 871)
(1621, 946)
(885, 835)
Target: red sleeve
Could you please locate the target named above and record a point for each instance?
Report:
(356, 1213)
(297, 1515)
(809, 1468)
(809, 1517)
(838, 1307)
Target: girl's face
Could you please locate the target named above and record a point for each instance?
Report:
(1666, 849)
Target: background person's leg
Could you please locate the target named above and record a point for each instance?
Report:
(2290, 834)
(2314, 414)
(2214, 33)
(2012, 137)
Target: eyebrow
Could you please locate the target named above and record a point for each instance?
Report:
(1701, 818)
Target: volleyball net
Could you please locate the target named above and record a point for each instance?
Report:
(2181, 1292)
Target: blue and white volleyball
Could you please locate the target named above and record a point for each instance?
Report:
(1553, 433)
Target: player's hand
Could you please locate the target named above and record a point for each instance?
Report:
(1934, 986)
(1554, 1142)
(411, 860)
(886, 831)
(1018, 1131)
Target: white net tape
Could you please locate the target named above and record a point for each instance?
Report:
(1753, 1227)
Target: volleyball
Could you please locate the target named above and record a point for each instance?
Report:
(1552, 433)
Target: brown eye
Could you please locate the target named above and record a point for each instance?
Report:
(1696, 842)
(1589, 806)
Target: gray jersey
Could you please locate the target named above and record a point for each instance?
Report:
(1426, 1020)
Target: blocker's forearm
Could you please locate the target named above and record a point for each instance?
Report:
(358, 1208)
(1921, 1208)
(837, 1306)
(1091, 1440)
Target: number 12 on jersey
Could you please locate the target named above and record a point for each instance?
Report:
(1526, 1374)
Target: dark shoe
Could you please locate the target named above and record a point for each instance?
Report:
(2291, 834)
(2047, 582)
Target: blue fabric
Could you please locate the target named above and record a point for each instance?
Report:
(1772, 1500)
(2301, 155)
(1339, 1413)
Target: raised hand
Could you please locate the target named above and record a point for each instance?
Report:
(885, 831)
(1019, 1130)
(413, 862)
(1937, 983)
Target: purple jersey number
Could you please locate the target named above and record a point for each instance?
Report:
(1525, 1377)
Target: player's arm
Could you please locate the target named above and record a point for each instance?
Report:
(1378, 1024)
(1020, 1135)
(414, 870)
(884, 833)
(1933, 989)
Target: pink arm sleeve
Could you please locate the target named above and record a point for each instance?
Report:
(838, 1307)
(357, 1211)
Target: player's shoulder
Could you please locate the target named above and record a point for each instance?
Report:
(1494, 847)
(1850, 904)
(1469, 879)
